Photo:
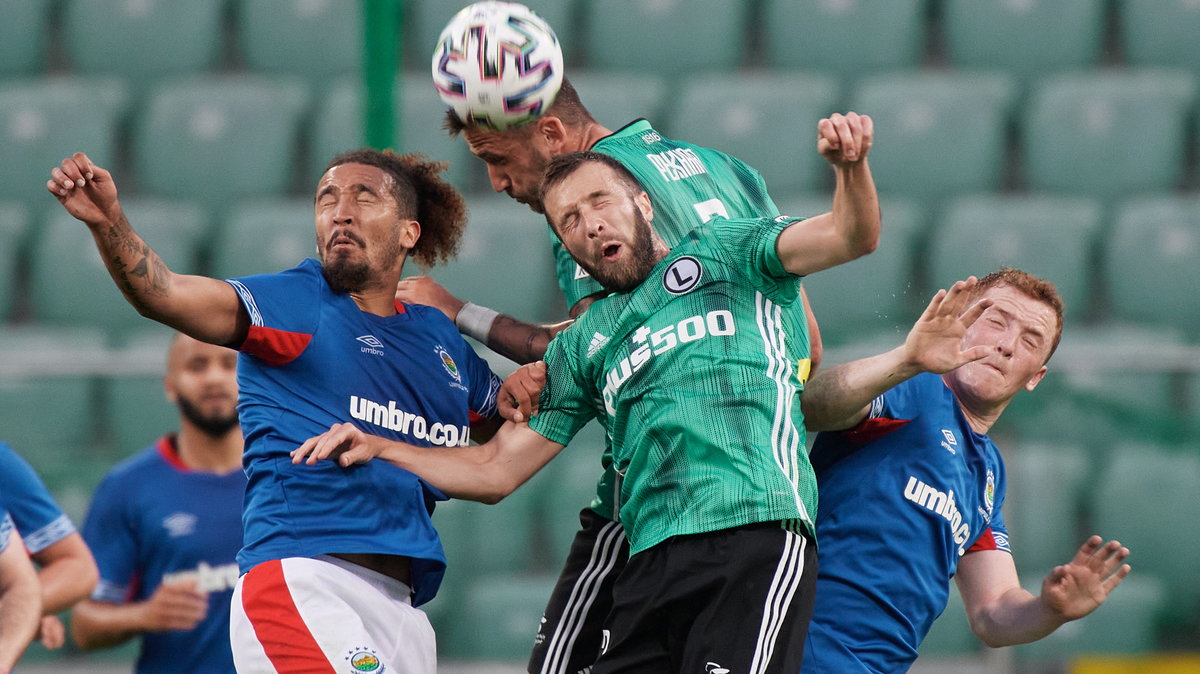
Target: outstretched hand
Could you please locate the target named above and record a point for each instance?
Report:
(935, 342)
(521, 392)
(1078, 587)
(424, 290)
(343, 442)
(844, 140)
(84, 189)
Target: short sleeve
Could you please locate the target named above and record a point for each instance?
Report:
(750, 245)
(284, 309)
(34, 512)
(484, 385)
(907, 399)
(567, 403)
(110, 534)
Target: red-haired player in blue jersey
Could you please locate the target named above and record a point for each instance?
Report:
(334, 560)
(911, 486)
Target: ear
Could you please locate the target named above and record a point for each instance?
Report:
(552, 133)
(642, 201)
(410, 231)
(169, 389)
(1035, 379)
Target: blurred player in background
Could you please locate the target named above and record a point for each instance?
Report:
(693, 363)
(912, 487)
(334, 561)
(66, 569)
(166, 526)
(20, 596)
(689, 185)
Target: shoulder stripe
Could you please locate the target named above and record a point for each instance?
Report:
(248, 300)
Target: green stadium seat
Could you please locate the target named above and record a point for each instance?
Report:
(951, 635)
(220, 138)
(1023, 37)
(505, 262)
(69, 284)
(14, 224)
(1107, 134)
(138, 412)
(427, 18)
(922, 116)
(46, 393)
(44, 121)
(1125, 624)
(24, 36)
(1160, 33)
(1043, 503)
(570, 486)
(1160, 238)
(142, 40)
(740, 114)
(500, 617)
(339, 126)
(848, 38)
(1047, 236)
(264, 236)
(616, 99)
(665, 38)
(314, 39)
(1141, 498)
(872, 294)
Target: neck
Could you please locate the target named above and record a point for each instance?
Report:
(376, 301)
(980, 415)
(592, 133)
(202, 452)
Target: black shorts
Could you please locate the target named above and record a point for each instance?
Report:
(568, 639)
(734, 600)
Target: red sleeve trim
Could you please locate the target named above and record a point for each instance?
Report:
(400, 308)
(275, 347)
(475, 418)
(986, 541)
(871, 429)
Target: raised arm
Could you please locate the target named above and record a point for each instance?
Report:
(485, 473)
(512, 338)
(1002, 613)
(839, 397)
(202, 307)
(851, 228)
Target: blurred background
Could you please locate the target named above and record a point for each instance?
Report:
(1058, 136)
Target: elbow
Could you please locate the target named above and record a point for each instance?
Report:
(860, 247)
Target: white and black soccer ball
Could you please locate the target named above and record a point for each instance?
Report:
(498, 65)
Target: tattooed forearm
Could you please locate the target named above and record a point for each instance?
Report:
(138, 271)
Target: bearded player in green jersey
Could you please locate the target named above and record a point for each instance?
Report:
(689, 185)
(692, 364)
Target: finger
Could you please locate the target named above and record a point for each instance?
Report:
(1114, 580)
(56, 189)
(956, 297)
(86, 167)
(66, 178)
(973, 312)
(854, 126)
(301, 452)
(827, 133)
(74, 170)
(868, 133)
(973, 354)
(1085, 551)
(845, 137)
(931, 309)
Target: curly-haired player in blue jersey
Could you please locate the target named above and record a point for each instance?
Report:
(912, 487)
(334, 561)
(692, 365)
(689, 186)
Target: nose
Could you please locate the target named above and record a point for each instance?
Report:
(498, 178)
(343, 212)
(1006, 344)
(592, 225)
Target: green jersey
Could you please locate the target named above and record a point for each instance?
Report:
(687, 184)
(696, 376)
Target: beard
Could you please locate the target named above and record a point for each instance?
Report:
(212, 425)
(627, 276)
(344, 276)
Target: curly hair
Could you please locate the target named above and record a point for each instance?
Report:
(421, 195)
(1036, 288)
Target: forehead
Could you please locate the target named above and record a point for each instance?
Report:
(344, 175)
(1032, 312)
(589, 178)
(508, 145)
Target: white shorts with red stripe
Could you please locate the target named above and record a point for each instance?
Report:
(325, 615)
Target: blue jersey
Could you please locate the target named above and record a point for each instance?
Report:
(39, 519)
(312, 359)
(152, 520)
(903, 495)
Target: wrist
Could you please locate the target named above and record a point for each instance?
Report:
(475, 321)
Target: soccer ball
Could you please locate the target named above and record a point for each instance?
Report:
(498, 65)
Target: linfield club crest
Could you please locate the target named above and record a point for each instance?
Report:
(448, 363)
(363, 659)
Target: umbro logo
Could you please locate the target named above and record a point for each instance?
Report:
(180, 524)
(597, 343)
(373, 345)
